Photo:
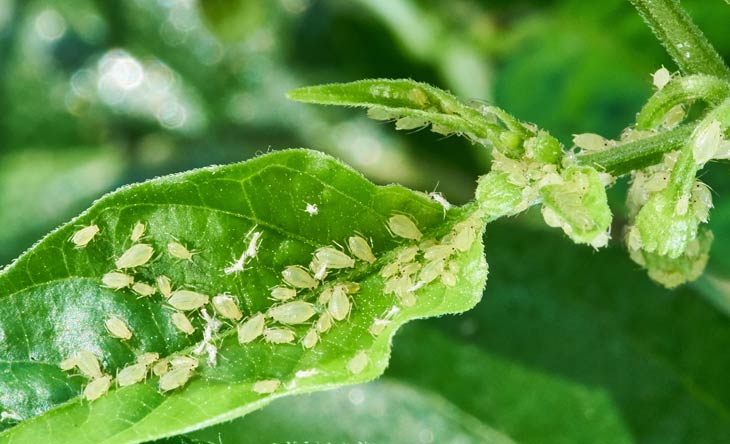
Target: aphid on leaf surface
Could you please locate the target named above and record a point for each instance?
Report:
(97, 387)
(161, 367)
(438, 252)
(350, 287)
(266, 386)
(165, 286)
(175, 378)
(251, 329)
(590, 142)
(278, 336)
(358, 363)
(68, 363)
(431, 271)
(325, 296)
(378, 326)
(407, 254)
(143, 289)
(131, 374)
(184, 362)
(360, 248)
(390, 270)
(116, 280)
(334, 258)
(682, 206)
(403, 226)
(118, 328)
(281, 293)
(319, 269)
(339, 304)
(298, 277)
(88, 364)
(296, 312)
(310, 339)
(138, 231)
(701, 201)
(85, 235)
(187, 300)
(179, 251)
(324, 322)
(227, 307)
(148, 358)
(136, 256)
(182, 323)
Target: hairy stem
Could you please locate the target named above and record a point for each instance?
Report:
(682, 39)
(639, 154)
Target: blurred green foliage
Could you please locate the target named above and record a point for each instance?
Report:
(96, 94)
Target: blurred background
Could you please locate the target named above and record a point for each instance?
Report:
(569, 345)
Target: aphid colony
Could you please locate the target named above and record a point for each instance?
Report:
(333, 303)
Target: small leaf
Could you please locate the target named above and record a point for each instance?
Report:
(242, 226)
(413, 104)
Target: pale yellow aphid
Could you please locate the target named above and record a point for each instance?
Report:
(296, 312)
(438, 252)
(661, 77)
(590, 142)
(97, 387)
(278, 336)
(339, 304)
(116, 280)
(281, 293)
(358, 363)
(187, 300)
(175, 378)
(674, 116)
(707, 143)
(334, 258)
(179, 251)
(310, 339)
(88, 364)
(148, 358)
(138, 231)
(251, 329)
(324, 322)
(325, 296)
(319, 269)
(448, 278)
(431, 271)
(165, 286)
(701, 201)
(85, 235)
(682, 205)
(464, 234)
(407, 254)
(118, 328)
(350, 287)
(266, 386)
(182, 323)
(410, 269)
(136, 256)
(298, 277)
(403, 226)
(143, 289)
(360, 248)
(390, 270)
(427, 243)
(184, 362)
(378, 326)
(68, 363)
(161, 367)
(131, 374)
(227, 307)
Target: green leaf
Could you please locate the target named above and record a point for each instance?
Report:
(415, 105)
(387, 412)
(54, 304)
